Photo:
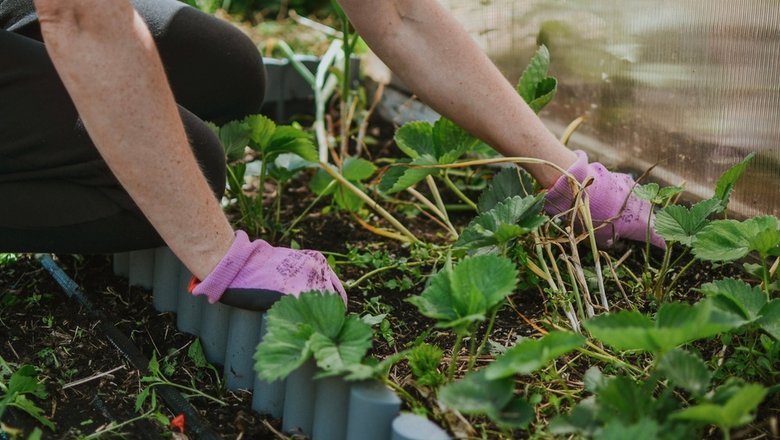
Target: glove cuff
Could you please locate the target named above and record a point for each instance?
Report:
(215, 284)
(559, 197)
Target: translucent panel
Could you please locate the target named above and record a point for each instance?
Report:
(690, 86)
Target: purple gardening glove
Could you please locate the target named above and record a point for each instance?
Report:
(253, 275)
(613, 206)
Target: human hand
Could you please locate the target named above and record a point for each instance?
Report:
(615, 210)
(253, 275)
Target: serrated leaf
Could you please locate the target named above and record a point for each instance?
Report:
(356, 169)
(735, 412)
(234, 137)
(647, 192)
(677, 223)
(415, 139)
(288, 139)
(320, 183)
(334, 355)
(624, 400)
(517, 414)
(736, 296)
(686, 370)
(582, 420)
(509, 182)
(23, 403)
(545, 92)
(196, 354)
(486, 229)
(458, 297)
(291, 323)
(450, 141)
(725, 185)
(260, 130)
(401, 176)
(475, 394)
(769, 319)
(729, 240)
(533, 354)
(534, 73)
(675, 324)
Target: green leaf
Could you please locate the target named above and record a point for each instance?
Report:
(356, 169)
(675, 324)
(517, 414)
(415, 139)
(450, 141)
(644, 429)
(769, 319)
(288, 139)
(582, 420)
(466, 293)
(653, 193)
(475, 393)
(347, 200)
(25, 381)
(677, 223)
(401, 176)
(729, 240)
(545, 92)
(291, 323)
(234, 137)
(735, 412)
(534, 74)
(486, 229)
(736, 296)
(647, 192)
(335, 355)
(320, 183)
(725, 185)
(196, 354)
(509, 182)
(624, 400)
(28, 406)
(533, 354)
(260, 129)
(686, 370)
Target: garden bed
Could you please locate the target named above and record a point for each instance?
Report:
(669, 350)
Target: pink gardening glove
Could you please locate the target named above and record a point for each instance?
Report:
(254, 275)
(613, 206)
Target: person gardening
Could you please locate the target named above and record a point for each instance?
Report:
(103, 147)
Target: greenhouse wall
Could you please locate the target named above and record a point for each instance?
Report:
(691, 86)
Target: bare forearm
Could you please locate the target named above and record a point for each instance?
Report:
(422, 43)
(108, 62)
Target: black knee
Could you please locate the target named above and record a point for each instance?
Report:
(215, 70)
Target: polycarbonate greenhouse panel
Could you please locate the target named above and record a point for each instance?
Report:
(691, 86)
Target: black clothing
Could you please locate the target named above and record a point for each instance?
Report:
(56, 193)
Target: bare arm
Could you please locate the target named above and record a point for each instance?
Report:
(428, 49)
(109, 64)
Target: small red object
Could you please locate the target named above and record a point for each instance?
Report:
(194, 281)
(178, 423)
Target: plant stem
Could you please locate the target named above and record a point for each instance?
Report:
(442, 214)
(112, 427)
(189, 389)
(370, 202)
(765, 276)
(458, 192)
(485, 338)
(454, 357)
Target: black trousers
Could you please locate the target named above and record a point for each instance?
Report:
(56, 193)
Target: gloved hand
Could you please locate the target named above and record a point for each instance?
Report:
(253, 275)
(613, 206)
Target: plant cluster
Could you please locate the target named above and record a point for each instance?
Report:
(649, 372)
